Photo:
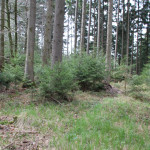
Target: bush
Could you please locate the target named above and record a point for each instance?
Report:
(13, 71)
(59, 82)
(90, 72)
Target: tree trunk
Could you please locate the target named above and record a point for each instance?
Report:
(76, 16)
(82, 46)
(109, 37)
(88, 40)
(2, 34)
(9, 28)
(94, 28)
(29, 63)
(58, 32)
(68, 36)
(99, 27)
(16, 35)
(122, 49)
(128, 33)
(116, 44)
(102, 32)
(137, 53)
(47, 37)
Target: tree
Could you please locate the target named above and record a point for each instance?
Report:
(83, 26)
(2, 35)
(47, 35)
(116, 44)
(58, 32)
(128, 32)
(109, 36)
(89, 25)
(9, 28)
(76, 16)
(16, 35)
(99, 26)
(29, 68)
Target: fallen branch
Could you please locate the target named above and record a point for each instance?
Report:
(56, 101)
(8, 146)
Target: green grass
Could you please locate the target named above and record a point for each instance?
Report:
(87, 123)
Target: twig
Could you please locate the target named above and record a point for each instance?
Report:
(56, 101)
(8, 146)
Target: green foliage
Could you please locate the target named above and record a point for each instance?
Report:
(90, 72)
(58, 83)
(13, 71)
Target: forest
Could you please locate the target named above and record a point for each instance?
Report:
(74, 75)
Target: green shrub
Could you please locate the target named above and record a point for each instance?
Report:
(13, 71)
(90, 72)
(58, 83)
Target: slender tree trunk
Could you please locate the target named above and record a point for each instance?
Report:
(128, 33)
(68, 36)
(16, 35)
(99, 27)
(82, 45)
(132, 51)
(58, 32)
(94, 28)
(122, 49)
(2, 35)
(88, 41)
(47, 34)
(102, 32)
(116, 44)
(137, 53)
(9, 28)
(109, 37)
(76, 16)
(29, 63)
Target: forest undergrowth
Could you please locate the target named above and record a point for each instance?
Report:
(94, 120)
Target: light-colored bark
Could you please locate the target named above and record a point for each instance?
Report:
(82, 44)
(29, 63)
(58, 32)
(109, 37)
(47, 34)
(68, 36)
(2, 34)
(89, 26)
(116, 44)
(99, 27)
(76, 16)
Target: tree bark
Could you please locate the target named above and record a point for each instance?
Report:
(116, 44)
(128, 33)
(29, 63)
(76, 16)
(99, 27)
(2, 35)
(16, 35)
(82, 46)
(109, 37)
(47, 38)
(122, 49)
(9, 29)
(137, 53)
(58, 32)
(89, 25)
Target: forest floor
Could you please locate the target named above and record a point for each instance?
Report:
(93, 121)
